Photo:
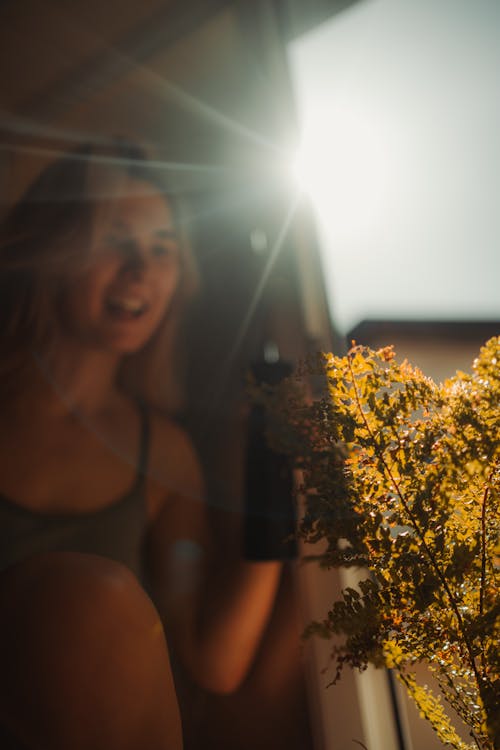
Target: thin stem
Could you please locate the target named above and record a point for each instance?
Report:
(484, 556)
(483, 545)
(460, 707)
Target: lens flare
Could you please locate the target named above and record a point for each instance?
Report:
(343, 164)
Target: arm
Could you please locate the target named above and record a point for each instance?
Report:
(214, 610)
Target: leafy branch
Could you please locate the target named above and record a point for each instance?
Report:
(415, 522)
(401, 477)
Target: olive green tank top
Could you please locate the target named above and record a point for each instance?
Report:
(116, 531)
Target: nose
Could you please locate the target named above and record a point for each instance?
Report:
(134, 259)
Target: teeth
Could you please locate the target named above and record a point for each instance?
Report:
(127, 304)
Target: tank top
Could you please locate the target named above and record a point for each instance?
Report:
(116, 531)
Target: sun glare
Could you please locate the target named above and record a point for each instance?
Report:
(343, 165)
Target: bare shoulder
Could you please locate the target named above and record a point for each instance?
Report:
(174, 467)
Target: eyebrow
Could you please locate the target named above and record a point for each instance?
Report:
(162, 234)
(167, 234)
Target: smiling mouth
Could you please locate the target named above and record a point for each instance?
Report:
(126, 307)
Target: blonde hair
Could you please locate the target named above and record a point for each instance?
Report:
(45, 234)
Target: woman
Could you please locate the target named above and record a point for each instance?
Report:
(101, 493)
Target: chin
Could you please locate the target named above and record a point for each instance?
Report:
(128, 339)
(125, 344)
(129, 347)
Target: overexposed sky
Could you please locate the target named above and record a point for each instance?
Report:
(399, 105)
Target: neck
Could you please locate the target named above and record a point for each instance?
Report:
(77, 379)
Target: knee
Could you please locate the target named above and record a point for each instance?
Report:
(72, 605)
(82, 651)
(70, 579)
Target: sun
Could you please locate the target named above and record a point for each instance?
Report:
(343, 163)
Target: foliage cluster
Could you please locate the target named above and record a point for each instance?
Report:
(401, 478)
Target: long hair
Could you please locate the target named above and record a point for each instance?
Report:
(42, 240)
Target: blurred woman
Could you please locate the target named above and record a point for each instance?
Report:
(104, 541)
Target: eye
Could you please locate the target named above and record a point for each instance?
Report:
(165, 250)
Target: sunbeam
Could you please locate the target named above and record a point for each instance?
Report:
(27, 126)
(225, 368)
(112, 63)
(273, 256)
(114, 160)
(231, 201)
(94, 157)
(118, 63)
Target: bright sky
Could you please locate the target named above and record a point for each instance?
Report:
(399, 102)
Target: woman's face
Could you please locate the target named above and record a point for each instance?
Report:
(119, 295)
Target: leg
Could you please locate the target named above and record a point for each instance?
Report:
(84, 659)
